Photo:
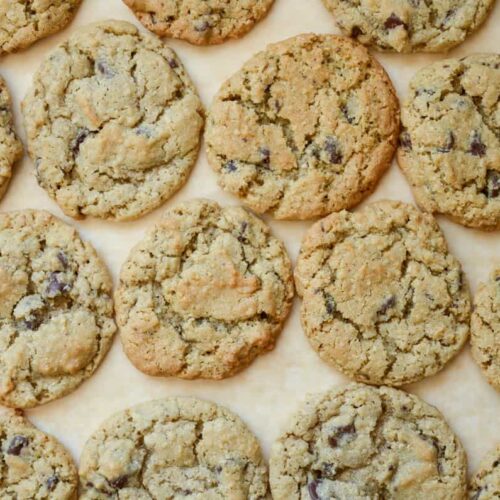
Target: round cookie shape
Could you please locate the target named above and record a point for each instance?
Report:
(23, 22)
(485, 484)
(485, 329)
(34, 464)
(200, 22)
(450, 143)
(305, 128)
(11, 148)
(383, 300)
(410, 26)
(361, 442)
(56, 309)
(205, 292)
(113, 122)
(173, 448)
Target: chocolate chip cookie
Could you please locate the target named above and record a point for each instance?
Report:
(485, 329)
(360, 442)
(173, 448)
(11, 149)
(383, 300)
(34, 464)
(201, 22)
(450, 143)
(23, 22)
(410, 25)
(56, 310)
(485, 484)
(305, 128)
(204, 293)
(113, 122)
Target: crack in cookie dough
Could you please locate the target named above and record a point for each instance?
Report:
(305, 128)
(56, 309)
(201, 22)
(11, 148)
(383, 300)
(412, 25)
(450, 143)
(204, 293)
(365, 443)
(485, 329)
(485, 484)
(173, 448)
(113, 122)
(23, 22)
(34, 465)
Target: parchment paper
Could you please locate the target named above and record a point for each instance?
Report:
(266, 393)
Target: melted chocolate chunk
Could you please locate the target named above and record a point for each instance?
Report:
(329, 304)
(16, 445)
(333, 150)
(393, 21)
(265, 155)
(56, 286)
(119, 482)
(492, 183)
(356, 31)
(405, 141)
(230, 166)
(173, 63)
(477, 148)
(387, 304)
(312, 488)
(32, 323)
(450, 144)
(81, 136)
(52, 482)
(340, 432)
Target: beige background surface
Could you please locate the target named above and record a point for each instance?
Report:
(269, 390)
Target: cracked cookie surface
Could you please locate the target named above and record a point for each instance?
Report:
(450, 142)
(383, 300)
(56, 309)
(11, 148)
(23, 22)
(113, 122)
(173, 448)
(34, 464)
(201, 22)
(485, 484)
(410, 25)
(360, 443)
(305, 128)
(204, 293)
(485, 329)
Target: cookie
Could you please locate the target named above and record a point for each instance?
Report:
(173, 448)
(485, 329)
(34, 464)
(485, 484)
(204, 293)
(11, 149)
(113, 122)
(450, 142)
(410, 26)
(383, 300)
(56, 309)
(360, 442)
(201, 22)
(23, 22)
(305, 128)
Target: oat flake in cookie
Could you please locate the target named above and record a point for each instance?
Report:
(409, 25)
(305, 128)
(202, 22)
(113, 122)
(204, 293)
(364, 443)
(56, 310)
(383, 300)
(11, 149)
(23, 22)
(485, 484)
(485, 329)
(450, 142)
(171, 449)
(34, 464)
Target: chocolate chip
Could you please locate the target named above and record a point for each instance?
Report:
(201, 26)
(393, 21)
(477, 148)
(329, 303)
(492, 183)
(496, 463)
(449, 15)
(340, 432)
(388, 303)
(230, 166)
(32, 323)
(56, 286)
(356, 31)
(312, 488)
(265, 155)
(405, 141)
(119, 482)
(81, 136)
(173, 63)
(345, 112)
(16, 445)
(104, 69)
(333, 150)
(52, 482)
(61, 257)
(449, 145)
